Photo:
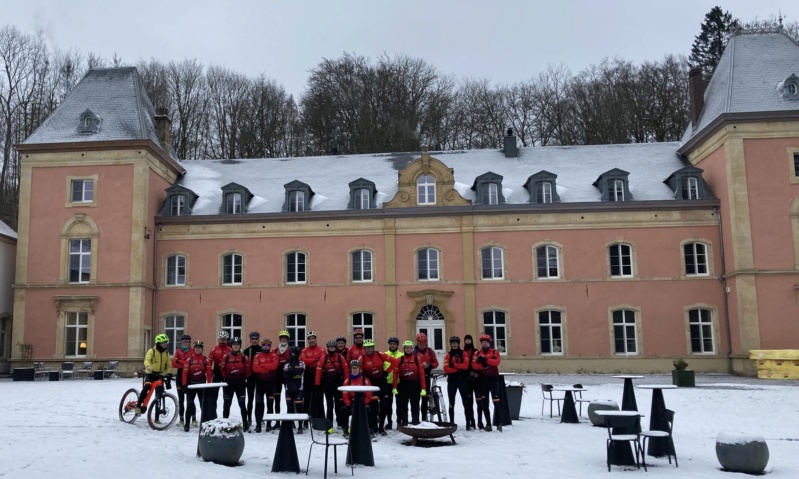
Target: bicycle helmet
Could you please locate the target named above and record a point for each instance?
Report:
(485, 337)
(407, 343)
(393, 339)
(255, 335)
(185, 337)
(198, 344)
(421, 338)
(236, 340)
(161, 338)
(284, 333)
(368, 343)
(311, 334)
(222, 335)
(357, 332)
(454, 339)
(331, 343)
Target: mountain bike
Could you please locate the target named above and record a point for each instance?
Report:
(437, 404)
(162, 412)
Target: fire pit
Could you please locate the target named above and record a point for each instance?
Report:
(428, 430)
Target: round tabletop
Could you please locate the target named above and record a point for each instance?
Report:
(656, 386)
(617, 413)
(207, 385)
(359, 389)
(628, 376)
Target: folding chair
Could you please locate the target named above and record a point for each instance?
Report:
(578, 398)
(68, 370)
(322, 426)
(110, 371)
(85, 371)
(546, 392)
(668, 416)
(625, 429)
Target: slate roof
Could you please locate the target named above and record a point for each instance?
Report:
(577, 167)
(748, 76)
(116, 95)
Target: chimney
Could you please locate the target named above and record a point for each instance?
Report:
(163, 126)
(510, 145)
(696, 94)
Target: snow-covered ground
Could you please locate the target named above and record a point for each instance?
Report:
(70, 429)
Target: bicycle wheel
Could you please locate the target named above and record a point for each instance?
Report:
(127, 406)
(163, 412)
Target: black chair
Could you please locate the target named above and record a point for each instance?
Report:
(324, 426)
(668, 416)
(546, 392)
(68, 370)
(625, 429)
(578, 398)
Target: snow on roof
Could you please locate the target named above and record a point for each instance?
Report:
(6, 230)
(577, 168)
(116, 95)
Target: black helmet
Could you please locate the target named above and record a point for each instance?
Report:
(454, 339)
(185, 337)
(236, 340)
(255, 335)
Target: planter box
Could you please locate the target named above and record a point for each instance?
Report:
(24, 374)
(684, 378)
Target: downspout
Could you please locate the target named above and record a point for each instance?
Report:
(723, 278)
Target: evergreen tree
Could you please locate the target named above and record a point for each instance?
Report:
(710, 43)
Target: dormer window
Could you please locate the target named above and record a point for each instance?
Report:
(179, 201)
(614, 185)
(362, 193)
(543, 187)
(298, 197)
(89, 122)
(426, 190)
(687, 184)
(790, 88)
(235, 199)
(488, 189)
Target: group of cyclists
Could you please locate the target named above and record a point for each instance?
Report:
(309, 378)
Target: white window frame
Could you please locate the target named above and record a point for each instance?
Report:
(362, 199)
(233, 271)
(616, 190)
(624, 326)
(174, 327)
(79, 186)
(297, 326)
(551, 253)
(175, 271)
(232, 324)
(361, 264)
(691, 251)
(84, 259)
(77, 327)
(431, 273)
(426, 190)
(497, 330)
(300, 270)
(704, 327)
(621, 256)
(495, 257)
(550, 325)
(234, 203)
(366, 321)
(296, 201)
(177, 205)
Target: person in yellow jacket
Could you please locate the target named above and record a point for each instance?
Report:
(156, 364)
(387, 406)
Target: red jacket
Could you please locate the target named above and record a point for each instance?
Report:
(264, 365)
(218, 353)
(372, 366)
(427, 356)
(332, 367)
(354, 352)
(235, 366)
(180, 357)
(455, 362)
(197, 370)
(410, 368)
(491, 369)
(311, 356)
(359, 381)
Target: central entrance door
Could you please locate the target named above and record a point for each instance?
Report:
(430, 321)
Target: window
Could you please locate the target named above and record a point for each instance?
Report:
(624, 332)
(490, 194)
(177, 205)
(80, 259)
(543, 194)
(494, 325)
(427, 264)
(173, 328)
(550, 331)
(547, 262)
(232, 324)
(296, 325)
(362, 266)
(76, 337)
(690, 188)
(492, 262)
(364, 321)
(621, 260)
(700, 324)
(82, 191)
(616, 192)
(695, 259)
(233, 203)
(232, 268)
(426, 190)
(176, 270)
(296, 201)
(295, 267)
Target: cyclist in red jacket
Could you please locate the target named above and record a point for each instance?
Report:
(216, 355)
(355, 351)
(312, 355)
(486, 361)
(196, 370)
(330, 374)
(178, 360)
(412, 384)
(456, 369)
(264, 370)
(372, 366)
(355, 379)
(429, 362)
(235, 369)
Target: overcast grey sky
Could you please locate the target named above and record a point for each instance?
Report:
(505, 41)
